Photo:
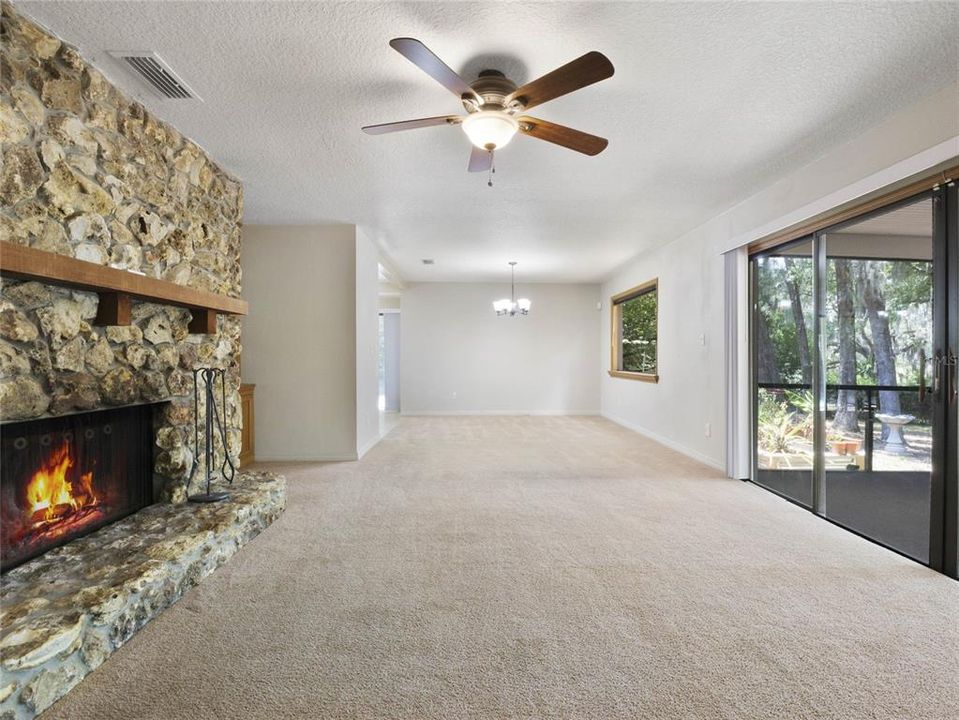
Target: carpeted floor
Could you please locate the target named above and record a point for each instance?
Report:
(541, 568)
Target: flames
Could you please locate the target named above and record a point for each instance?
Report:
(51, 493)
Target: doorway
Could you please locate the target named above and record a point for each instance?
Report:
(389, 370)
(854, 350)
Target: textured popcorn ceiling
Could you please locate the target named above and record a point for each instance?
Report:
(709, 103)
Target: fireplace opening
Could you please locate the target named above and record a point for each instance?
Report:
(64, 477)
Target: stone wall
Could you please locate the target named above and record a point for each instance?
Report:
(91, 174)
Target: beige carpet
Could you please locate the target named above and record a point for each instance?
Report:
(541, 568)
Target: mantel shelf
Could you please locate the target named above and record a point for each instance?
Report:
(116, 288)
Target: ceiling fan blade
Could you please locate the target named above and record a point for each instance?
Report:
(424, 58)
(562, 135)
(586, 70)
(384, 128)
(480, 160)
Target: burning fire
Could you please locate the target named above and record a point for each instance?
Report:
(51, 494)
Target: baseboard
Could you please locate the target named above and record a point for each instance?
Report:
(332, 457)
(369, 446)
(324, 457)
(671, 444)
(500, 413)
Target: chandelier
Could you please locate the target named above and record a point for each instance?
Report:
(511, 306)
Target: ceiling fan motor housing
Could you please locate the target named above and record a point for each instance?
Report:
(493, 87)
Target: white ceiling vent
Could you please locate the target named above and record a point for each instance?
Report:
(151, 69)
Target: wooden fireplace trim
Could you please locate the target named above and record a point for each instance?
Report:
(116, 288)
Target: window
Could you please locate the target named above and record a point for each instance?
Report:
(634, 333)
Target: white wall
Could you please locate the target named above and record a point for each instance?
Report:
(690, 271)
(367, 345)
(459, 358)
(689, 393)
(388, 302)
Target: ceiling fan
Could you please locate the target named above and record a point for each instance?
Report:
(496, 108)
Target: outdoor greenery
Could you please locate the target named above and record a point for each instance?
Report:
(888, 301)
(638, 317)
(779, 424)
(877, 330)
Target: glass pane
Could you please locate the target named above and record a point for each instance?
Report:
(878, 337)
(638, 317)
(783, 297)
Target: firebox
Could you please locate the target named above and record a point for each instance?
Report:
(66, 476)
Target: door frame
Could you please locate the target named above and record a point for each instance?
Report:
(944, 475)
(950, 530)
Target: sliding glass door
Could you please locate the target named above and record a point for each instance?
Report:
(853, 347)
(878, 323)
(783, 300)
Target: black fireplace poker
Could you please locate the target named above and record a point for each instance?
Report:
(214, 422)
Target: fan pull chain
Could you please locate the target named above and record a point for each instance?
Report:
(492, 168)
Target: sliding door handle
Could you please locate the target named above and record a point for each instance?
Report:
(922, 375)
(953, 388)
(946, 366)
(936, 373)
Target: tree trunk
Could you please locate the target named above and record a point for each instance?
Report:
(802, 336)
(883, 355)
(846, 419)
(768, 367)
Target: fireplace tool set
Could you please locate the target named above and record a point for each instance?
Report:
(205, 381)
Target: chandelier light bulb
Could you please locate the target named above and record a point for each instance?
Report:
(490, 129)
(502, 307)
(511, 306)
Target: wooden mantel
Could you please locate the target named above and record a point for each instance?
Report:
(116, 288)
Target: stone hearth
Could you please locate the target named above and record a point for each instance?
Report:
(65, 612)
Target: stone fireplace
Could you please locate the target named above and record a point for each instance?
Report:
(92, 175)
(62, 478)
(96, 383)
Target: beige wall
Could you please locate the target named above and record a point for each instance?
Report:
(300, 339)
(367, 345)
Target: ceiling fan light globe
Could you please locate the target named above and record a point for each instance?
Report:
(490, 129)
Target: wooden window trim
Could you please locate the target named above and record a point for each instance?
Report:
(615, 346)
(626, 375)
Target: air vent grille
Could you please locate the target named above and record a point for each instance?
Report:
(149, 67)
